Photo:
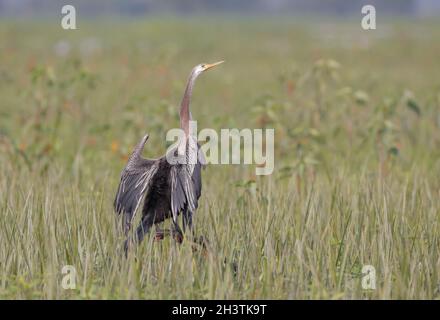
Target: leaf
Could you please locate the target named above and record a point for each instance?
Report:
(412, 104)
(361, 97)
(393, 151)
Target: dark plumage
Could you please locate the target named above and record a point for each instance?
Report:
(168, 188)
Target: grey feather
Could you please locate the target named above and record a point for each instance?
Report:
(135, 181)
(186, 185)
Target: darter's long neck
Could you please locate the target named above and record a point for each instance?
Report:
(185, 115)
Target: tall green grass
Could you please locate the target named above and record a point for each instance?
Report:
(356, 117)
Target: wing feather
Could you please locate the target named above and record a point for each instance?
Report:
(135, 181)
(186, 183)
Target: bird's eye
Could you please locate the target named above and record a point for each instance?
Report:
(203, 66)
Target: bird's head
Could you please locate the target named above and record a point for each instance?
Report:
(198, 69)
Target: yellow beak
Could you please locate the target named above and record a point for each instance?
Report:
(209, 66)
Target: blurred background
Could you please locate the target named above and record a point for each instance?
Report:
(305, 68)
(413, 8)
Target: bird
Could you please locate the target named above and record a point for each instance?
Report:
(170, 185)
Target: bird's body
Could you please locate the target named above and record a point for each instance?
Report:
(170, 185)
(169, 189)
(158, 201)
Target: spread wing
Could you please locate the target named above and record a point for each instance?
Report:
(186, 182)
(135, 182)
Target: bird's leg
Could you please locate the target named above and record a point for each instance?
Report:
(161, 233)
(143, 228)
(176, 232)
(188, 223)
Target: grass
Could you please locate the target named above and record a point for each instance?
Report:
(356, 180)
